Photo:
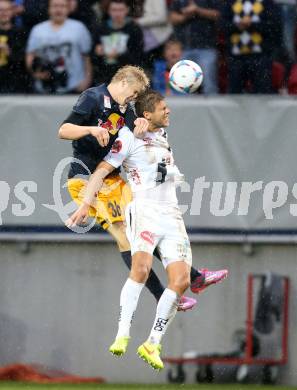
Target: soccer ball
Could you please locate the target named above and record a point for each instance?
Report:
(185, 76)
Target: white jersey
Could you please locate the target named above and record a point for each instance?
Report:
(141, 159)
(149, 225)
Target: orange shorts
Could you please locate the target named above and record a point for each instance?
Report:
(111, 201)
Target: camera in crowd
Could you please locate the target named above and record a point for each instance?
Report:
(57, 71)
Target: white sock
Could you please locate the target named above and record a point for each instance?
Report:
(128, 302)
(166, 310)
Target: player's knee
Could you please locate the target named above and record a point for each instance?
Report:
(140, 272)
(181, 283)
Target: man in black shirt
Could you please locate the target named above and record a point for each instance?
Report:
(13, 76)
(109, 106)
(118, 42)
(251, 35)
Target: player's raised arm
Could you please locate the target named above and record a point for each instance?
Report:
(70, 131)
(73, 127)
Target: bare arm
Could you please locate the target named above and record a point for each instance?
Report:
(29, 61)
(193, 10)
(211, 14)
(94, 186)
(177, 18)
(96, 181)
(88, 75)
(72, 132)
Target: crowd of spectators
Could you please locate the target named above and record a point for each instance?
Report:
(66, 46)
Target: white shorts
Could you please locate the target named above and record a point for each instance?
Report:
(158, 225)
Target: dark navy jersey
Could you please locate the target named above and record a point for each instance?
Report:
(96, 107)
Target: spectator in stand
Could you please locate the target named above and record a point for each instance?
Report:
(58, 53)
(135, 8)
(156, 29)
(118, 42)
(31, 12)
(173, 52)
(195, 25)
(13, 75)
(251, 36)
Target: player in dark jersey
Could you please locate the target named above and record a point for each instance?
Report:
(93, 126)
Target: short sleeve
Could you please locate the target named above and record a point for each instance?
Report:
(85, 40)
(85, 103)
(121, 148)
(32, 44)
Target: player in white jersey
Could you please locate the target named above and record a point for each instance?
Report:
(153, 220)
(153, 217)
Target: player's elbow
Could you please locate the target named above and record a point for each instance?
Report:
(62, 132)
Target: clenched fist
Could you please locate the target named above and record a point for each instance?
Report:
(141, 127)
(101, 134)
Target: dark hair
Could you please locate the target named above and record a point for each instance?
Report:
(173, 41)
(147, 102)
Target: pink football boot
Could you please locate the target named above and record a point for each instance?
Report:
(186, 303)
(207, 278)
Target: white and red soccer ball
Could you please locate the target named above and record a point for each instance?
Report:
(185, 76)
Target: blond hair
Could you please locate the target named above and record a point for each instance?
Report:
(132, 74)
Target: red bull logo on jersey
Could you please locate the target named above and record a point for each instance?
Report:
(113, 124)
(148, 236)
